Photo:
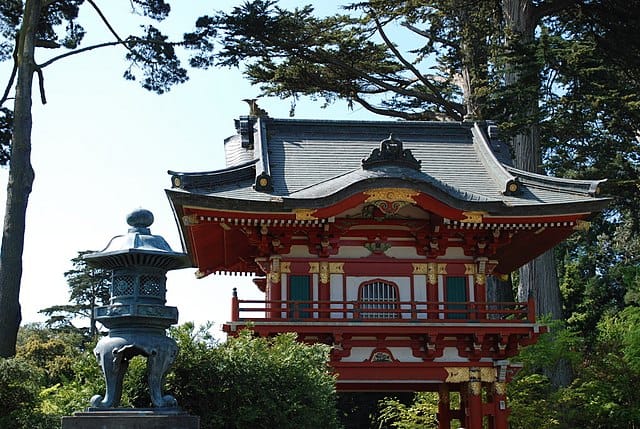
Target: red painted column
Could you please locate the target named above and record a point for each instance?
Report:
(324, 289)
(464, 405)
(501, 412)
(432, 290)
(474, 400)
(480, 293)
(480, 287)
(274, 290)
(444, 407)
(235, 306)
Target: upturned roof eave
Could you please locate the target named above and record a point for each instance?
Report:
(574, 186)
(507, 183)
(287, 204)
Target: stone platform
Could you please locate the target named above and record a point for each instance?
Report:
(128, 418)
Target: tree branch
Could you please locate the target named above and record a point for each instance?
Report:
(12, 78)
(77, 51)
(550, 7)
(43, 97)
(442, 101)
(106, 21)
(394, 113)
(429, 36)
(377, 81)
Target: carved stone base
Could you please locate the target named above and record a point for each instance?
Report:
(130, 419)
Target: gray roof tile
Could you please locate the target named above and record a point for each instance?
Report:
(310, 160)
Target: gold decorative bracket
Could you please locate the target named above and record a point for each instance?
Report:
(305, 214)
(473, 217)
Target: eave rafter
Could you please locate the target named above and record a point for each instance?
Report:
(438, 226)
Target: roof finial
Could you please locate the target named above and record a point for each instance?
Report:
(254, 109)
(140, 220)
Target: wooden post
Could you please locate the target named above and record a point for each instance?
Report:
(432, 290)
(444, 407)
(481, 296)
(480, 287)
(324, 291)
(531, 308)
(500, 412)
(474, 413)
(235, 306)
(274, 289)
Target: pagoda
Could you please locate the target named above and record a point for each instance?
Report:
(378, 239)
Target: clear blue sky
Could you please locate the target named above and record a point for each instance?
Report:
(102, 147)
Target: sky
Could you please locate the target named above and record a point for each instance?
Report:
(102, 147)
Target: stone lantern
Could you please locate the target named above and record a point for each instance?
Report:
(137, 317)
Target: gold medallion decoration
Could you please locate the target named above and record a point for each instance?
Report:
(480, 279)
(274, 277)
(314, 267)
(432, 273)
(391, 195)
(324, 272)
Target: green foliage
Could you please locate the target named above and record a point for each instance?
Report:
(421, 413)
(294, 53)
(251, 382)
(53, 353)
(20, 383)
(73, 393)
(530, 400)
(604, 391)
(621, 333)
(559, 344)
(88, 289)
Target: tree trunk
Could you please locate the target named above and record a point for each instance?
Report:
(19, 184)
(539, 277)
(499, 290)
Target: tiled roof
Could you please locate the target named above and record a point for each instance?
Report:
(306, 161)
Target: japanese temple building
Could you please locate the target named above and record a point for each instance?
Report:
(377, 238)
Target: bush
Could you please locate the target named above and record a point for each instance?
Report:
(251, 382)
(19, 396)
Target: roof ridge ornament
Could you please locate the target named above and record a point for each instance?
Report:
(391, 152)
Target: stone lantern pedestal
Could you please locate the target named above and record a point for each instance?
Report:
(137, 319)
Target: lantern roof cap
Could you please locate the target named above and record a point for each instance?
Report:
(138, 247)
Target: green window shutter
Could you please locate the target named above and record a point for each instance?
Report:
(299, 290)
(456, 291)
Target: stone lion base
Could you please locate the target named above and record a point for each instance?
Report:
(130, 419)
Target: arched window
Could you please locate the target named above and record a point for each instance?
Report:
(379, 295)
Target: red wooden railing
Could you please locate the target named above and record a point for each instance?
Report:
(377, 311)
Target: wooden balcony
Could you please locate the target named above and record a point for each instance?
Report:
(380, 312)
(477, 329)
